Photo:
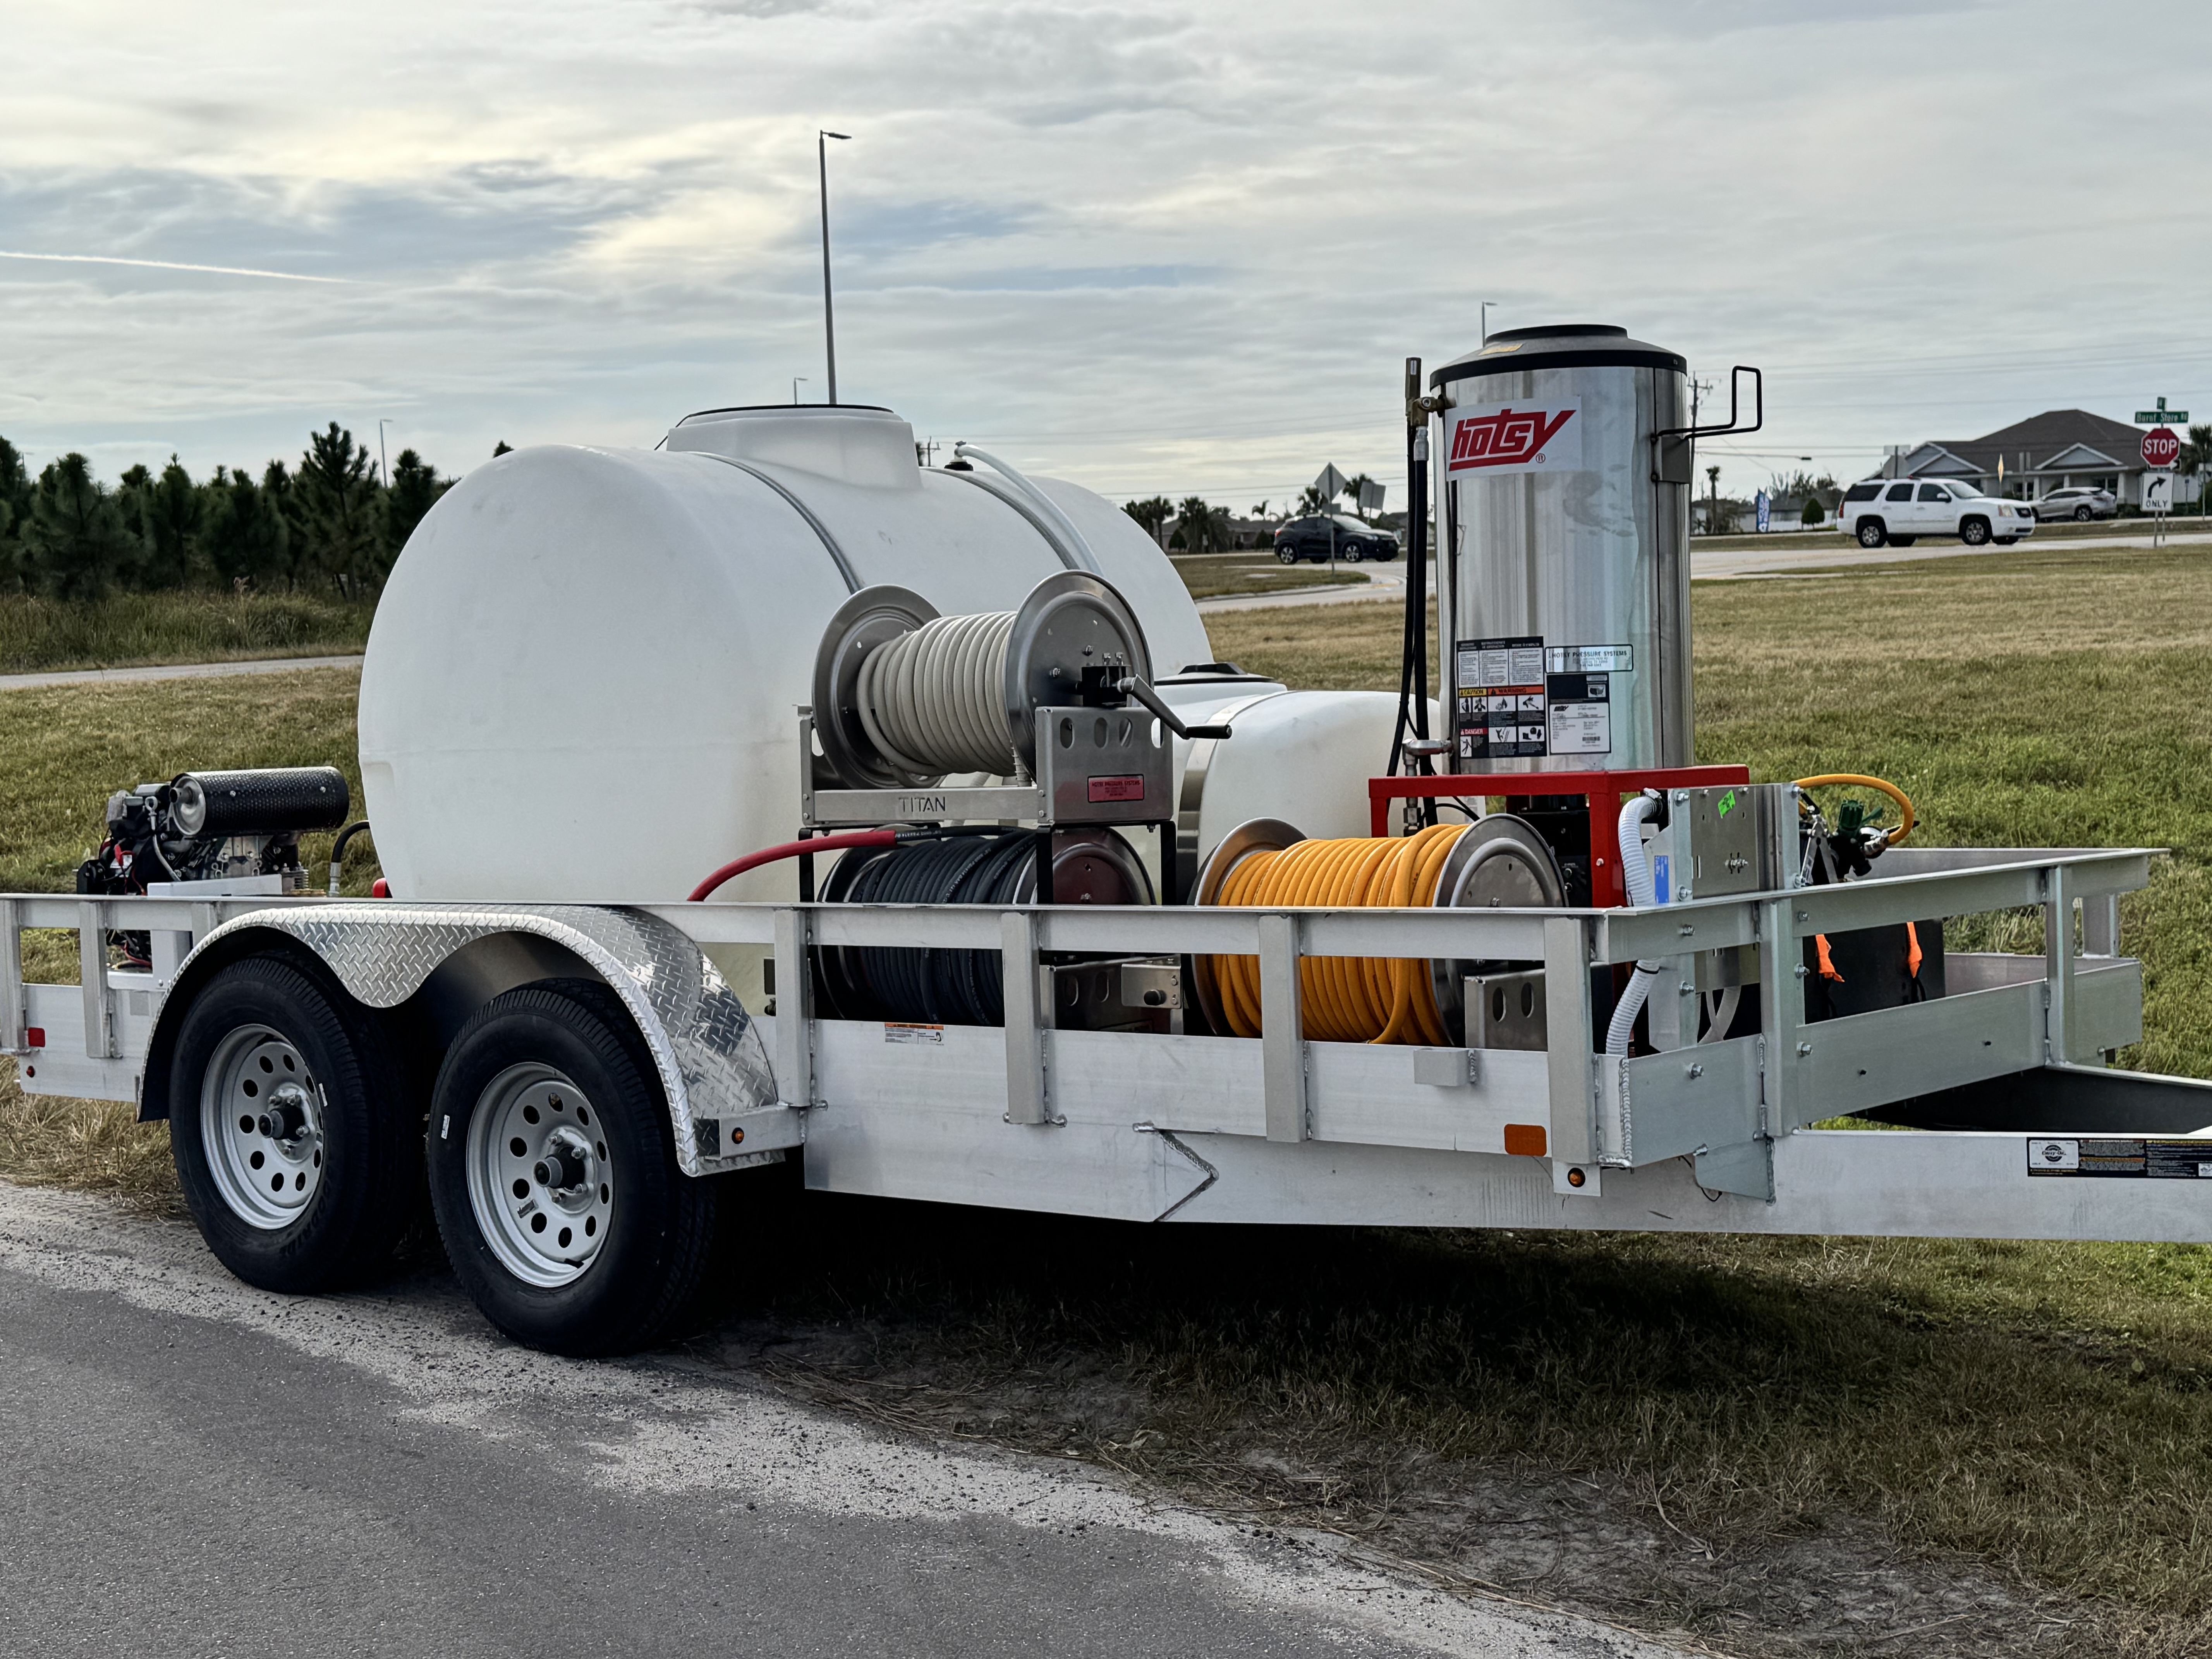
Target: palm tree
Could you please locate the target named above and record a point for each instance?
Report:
(1153, 515)
(1204, 529)
(2195, 460)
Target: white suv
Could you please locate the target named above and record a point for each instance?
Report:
(1901, 511)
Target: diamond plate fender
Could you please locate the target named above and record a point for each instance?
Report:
(712, 1062)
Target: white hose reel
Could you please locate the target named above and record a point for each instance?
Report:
(904, 696)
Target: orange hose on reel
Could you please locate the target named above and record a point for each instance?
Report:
(1347, 998)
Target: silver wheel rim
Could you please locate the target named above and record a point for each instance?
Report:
(540, 1182)
(262, 1122)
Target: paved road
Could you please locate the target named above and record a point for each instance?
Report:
(194, 1468)
(1742, 556)
(190, 670)
(1386, 583)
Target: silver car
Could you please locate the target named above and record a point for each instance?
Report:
(2077, 501)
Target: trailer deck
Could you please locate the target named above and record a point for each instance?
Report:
(2013, 1123)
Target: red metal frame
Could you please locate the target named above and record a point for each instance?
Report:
(1605, 791)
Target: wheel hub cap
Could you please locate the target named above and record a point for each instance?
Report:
(541, 1184)
(261, 1123)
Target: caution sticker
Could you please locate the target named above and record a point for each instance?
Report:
(901, 1032)
(2156, 1160)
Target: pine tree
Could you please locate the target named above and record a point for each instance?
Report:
(340, 513)
(415, 486)
(169, 514)
(243, 533)
(15, 513)
(75, 543)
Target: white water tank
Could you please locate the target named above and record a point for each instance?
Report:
(582, 678)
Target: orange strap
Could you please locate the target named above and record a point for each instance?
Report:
(1827, 963)
(1912, 952)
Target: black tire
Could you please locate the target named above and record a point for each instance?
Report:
(1284, 555)
(1975, 532)
(2083, 516)
(641, 1271)
(1354, 554)
(353, 1154)
(1871, 533)
(1903, 541)
(2008, 541)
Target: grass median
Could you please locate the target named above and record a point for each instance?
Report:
(134, 630)
(1783, 1446)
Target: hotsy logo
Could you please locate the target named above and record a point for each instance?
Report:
(1515, 440)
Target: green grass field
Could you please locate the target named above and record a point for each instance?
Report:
(1785, 1446)
(1214, 575)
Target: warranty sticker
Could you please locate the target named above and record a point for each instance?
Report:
(2155, 1160)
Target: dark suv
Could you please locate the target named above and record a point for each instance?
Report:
(1309, 539)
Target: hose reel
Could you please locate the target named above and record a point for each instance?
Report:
(904, 696)
(1497, 861)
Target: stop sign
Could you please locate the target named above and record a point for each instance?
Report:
(2160, 447)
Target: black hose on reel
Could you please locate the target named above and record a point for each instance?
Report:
(933, 986)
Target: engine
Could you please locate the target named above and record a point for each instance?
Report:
(215, 827)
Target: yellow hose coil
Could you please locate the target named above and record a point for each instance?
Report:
(1347, 998)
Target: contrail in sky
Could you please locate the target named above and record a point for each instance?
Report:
(170, 265)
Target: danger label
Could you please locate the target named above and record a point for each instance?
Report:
(1517, 438)
(1500, 705)
(2155, 1160)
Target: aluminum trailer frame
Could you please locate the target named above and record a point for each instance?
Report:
(2017, 1125)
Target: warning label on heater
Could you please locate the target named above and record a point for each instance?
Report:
(2155, 1160)
(1500, 706)
(902, 1033)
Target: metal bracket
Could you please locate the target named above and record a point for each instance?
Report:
(1028, 1088)
(1675, 447)
(11, 979)
(1282, 1036)
(91, 966)
(794, 1022)
(1745, 1168)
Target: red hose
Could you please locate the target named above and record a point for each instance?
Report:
(792, 849)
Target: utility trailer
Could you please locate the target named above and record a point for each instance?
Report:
(2015, 1125)
(1099, 939)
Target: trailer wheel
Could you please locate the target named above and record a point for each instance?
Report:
(553, 1176)
(289, 1128)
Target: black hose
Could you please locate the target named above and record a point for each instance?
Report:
(931, 986)
(338, 846)
(1413, 651)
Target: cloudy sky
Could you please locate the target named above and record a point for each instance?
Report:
(1152, 248)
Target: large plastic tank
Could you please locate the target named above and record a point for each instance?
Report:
(582, 679)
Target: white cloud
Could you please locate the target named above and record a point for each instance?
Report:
(1151, 247)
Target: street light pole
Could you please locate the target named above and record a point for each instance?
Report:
(822, 138)
(797, 381)
(385, 463)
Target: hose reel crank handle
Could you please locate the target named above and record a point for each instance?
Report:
(1131, 685)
